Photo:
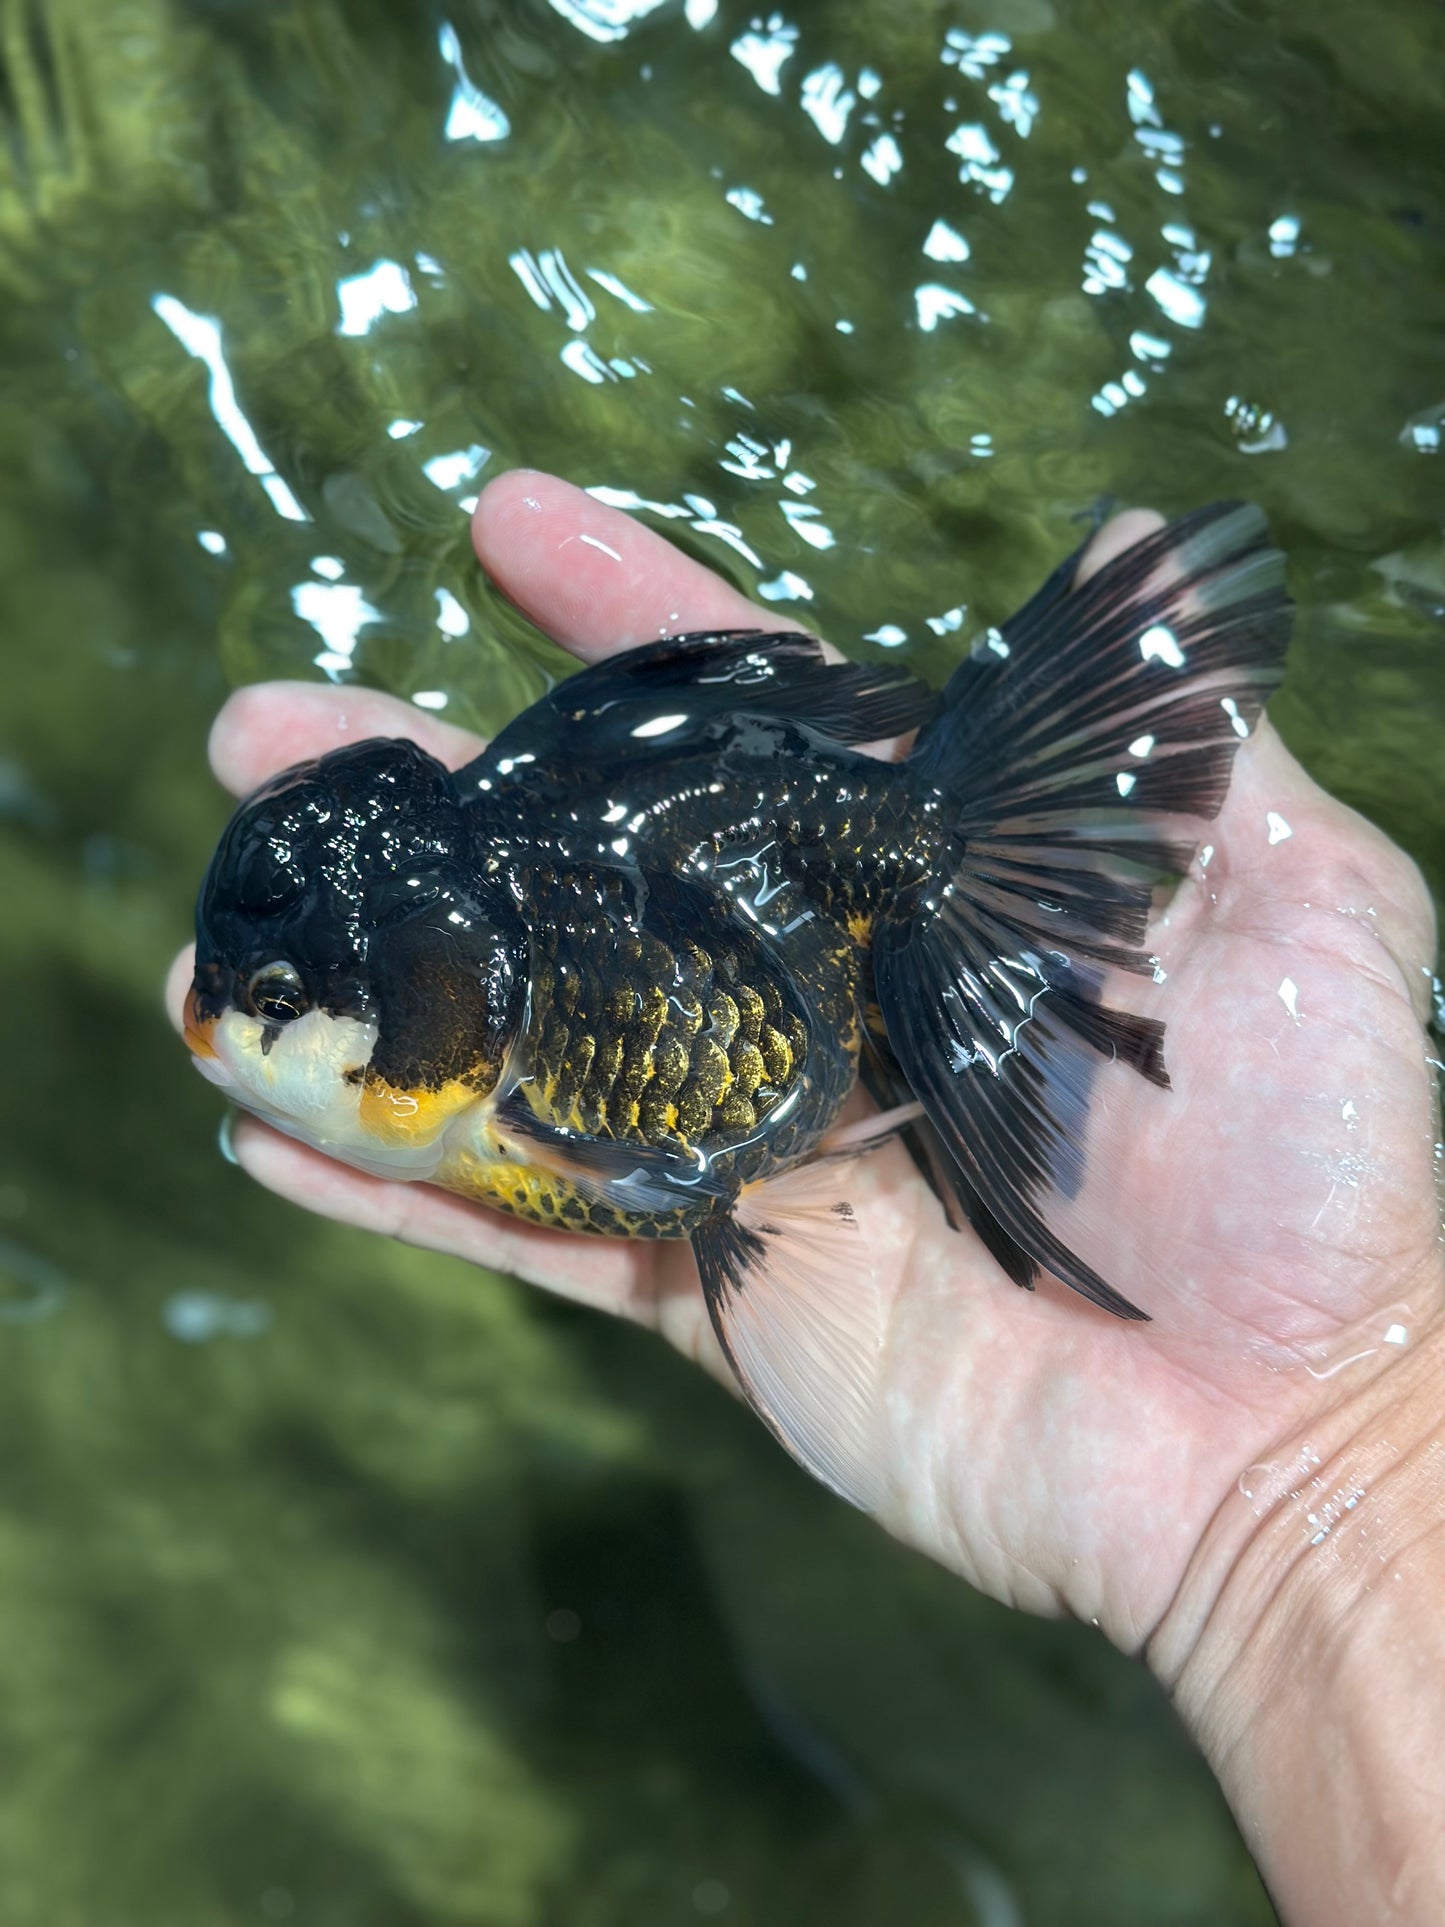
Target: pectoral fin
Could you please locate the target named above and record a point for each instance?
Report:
(633, 1177)
(791, 1291)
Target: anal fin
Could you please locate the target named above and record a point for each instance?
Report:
(791, 1291)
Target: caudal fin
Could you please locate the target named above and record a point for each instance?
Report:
(1069, 745)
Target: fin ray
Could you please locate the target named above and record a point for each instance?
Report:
(790, 1289)
(1068, 749)
(633, 1177)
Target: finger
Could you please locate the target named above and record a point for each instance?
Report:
(592, 577)
(178, 982)
(529, 531)
(653, 1284)
(609, 1273)
(1281, 840)
(588, 575)
(271, 725)
(1120, 532)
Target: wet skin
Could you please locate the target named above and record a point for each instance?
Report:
(1054, 1457)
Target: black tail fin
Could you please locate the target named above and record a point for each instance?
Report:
(1066, 742)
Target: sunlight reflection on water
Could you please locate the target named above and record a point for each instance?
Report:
(900, 198)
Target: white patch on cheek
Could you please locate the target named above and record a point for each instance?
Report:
(301, 1087)
(303, 1075)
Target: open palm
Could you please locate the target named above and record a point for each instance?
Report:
(1274, 1211)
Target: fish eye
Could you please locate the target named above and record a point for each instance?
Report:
(276, 993)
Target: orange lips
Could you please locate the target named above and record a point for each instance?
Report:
(197, 1029)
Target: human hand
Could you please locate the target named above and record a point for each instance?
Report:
(1175, 1481)
(1282, 1193)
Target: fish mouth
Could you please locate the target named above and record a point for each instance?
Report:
(196, 1029)
(311, 1086)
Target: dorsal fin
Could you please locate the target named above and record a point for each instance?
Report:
(666, 695)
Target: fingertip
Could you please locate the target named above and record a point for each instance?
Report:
(566, 560)
(178, 982)
(513, 514)
(267, 1155)
(269, 726)
(1119, 533)
(591, 576)
(436, 1221)
(235, 728)
(522, 488)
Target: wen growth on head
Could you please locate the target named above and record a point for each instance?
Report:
(619, 974)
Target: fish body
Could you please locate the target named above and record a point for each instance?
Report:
(600, 994)
(620, 973)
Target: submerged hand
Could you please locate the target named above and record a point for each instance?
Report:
(1282, 1193)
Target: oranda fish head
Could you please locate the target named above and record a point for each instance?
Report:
(360, 981)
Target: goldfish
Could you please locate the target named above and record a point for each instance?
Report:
(620, 973)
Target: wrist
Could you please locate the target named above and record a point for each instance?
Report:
(1305, 1650)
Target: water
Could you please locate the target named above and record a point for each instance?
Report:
(344, 1585)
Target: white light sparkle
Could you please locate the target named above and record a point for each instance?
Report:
(384, 288)
(200, 336)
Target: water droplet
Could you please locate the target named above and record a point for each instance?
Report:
(43, 1286)
(1255, 1480)
(594, 542)
(1256, 430)
(196, 1317)
(1331, 1366)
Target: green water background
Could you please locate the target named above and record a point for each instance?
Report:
(341, 1584)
